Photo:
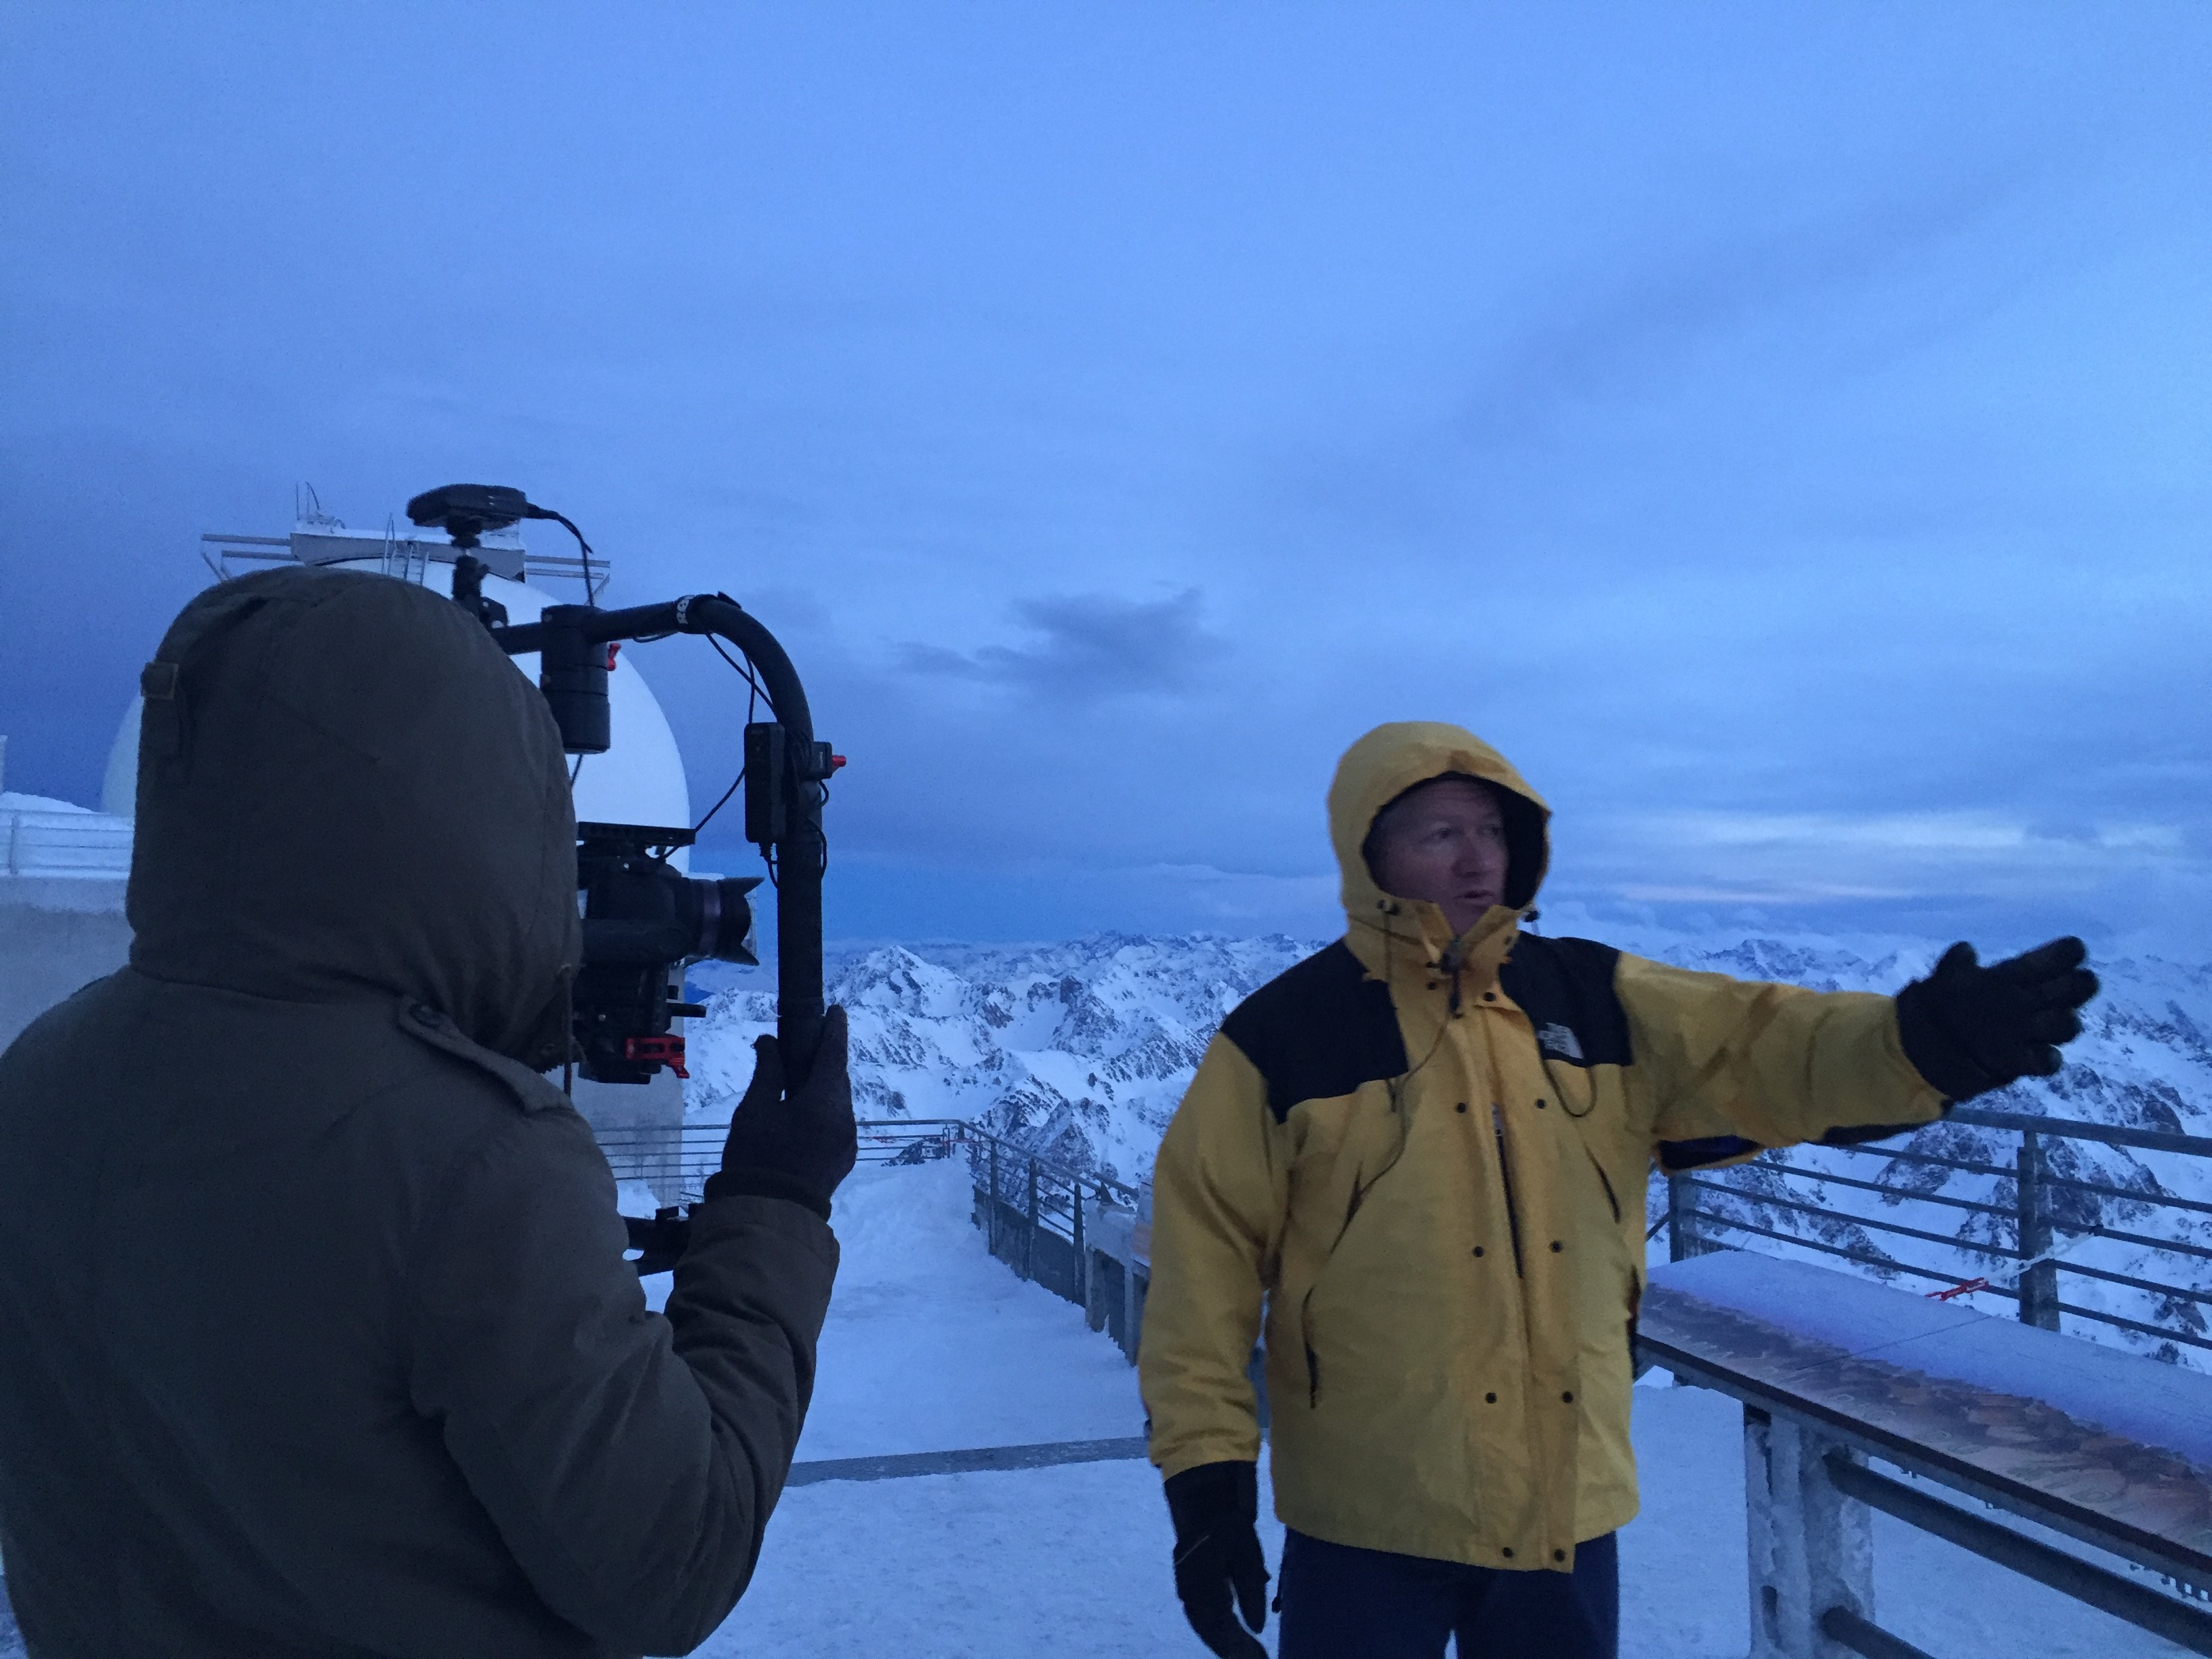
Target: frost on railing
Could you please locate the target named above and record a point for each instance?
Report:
(2102, 1230)
(39, 842)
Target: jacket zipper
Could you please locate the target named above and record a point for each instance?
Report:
(1505, 1176)
(1305, 1307)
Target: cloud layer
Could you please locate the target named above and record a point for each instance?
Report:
(1783, 435)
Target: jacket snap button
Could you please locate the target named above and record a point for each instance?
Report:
(1478, 1249)
(1490, 1400)
(1557, 1247)
(1568, 1398)
(1508, 1553)
(1559, 1555)
(1462, 1105)
(423, 1014)
(1539, 1105)
(1491, 996)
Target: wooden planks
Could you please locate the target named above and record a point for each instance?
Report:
(2110, 1448)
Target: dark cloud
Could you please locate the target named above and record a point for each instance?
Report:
(1627, 336)
(1089, 646)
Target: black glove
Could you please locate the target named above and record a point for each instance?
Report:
(1968, 1029)
(1215, 1507)
(799, 1146)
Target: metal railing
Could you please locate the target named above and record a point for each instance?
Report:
(2024, 1221)
(1071, 1232)
(1075, 1233)
(1048, 1193)
(680, 1157)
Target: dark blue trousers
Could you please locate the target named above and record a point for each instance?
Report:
(1338, 1602)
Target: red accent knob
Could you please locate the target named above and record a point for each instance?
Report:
(836, 761)
(657, 1050)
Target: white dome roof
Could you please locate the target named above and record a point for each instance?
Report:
(639, 780)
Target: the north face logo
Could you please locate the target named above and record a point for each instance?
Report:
(1560, 1040)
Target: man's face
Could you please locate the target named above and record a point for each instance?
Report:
(1444, 842)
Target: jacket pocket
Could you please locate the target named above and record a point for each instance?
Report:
(1306, 1340)
(1635, 1310)
(1605, 1181)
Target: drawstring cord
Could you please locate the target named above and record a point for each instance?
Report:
(1397, 1085)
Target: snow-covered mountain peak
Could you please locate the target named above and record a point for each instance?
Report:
(1079, 1049)
(895, 981)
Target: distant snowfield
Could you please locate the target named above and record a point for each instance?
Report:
(933, 1346)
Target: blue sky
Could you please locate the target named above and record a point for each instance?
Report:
(1786, 432)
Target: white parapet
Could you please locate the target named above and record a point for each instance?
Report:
(62, 843)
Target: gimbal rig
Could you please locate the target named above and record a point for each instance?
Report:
(643, 922)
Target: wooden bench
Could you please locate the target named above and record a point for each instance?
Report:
(2103, 1446)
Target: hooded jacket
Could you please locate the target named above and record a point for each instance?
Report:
(319, 1336)
(1417, 1163)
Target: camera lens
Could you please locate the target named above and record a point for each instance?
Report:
(723, 925)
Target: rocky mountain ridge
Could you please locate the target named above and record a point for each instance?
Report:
(1081, 1049)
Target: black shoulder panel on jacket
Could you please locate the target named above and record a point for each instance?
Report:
(1318, 1030)
(1565, 987)
(1676, 1156)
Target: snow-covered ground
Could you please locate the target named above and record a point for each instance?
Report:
(931, 1345)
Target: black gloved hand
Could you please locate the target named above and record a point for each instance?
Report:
(1968, 1029)
(1215, 1508)
(797, 1147)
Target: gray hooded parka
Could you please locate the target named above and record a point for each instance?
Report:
(316, 1336)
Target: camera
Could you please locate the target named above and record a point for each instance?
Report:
(643, 923)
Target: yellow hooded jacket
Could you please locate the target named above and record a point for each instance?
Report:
(1426, 1157)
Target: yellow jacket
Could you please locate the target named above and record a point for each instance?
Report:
(1426, 1157)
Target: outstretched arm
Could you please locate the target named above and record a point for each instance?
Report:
(1725, 1067)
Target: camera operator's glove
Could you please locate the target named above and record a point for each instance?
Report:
(1968, 1029)
(1215, 1507)
(798, 1145)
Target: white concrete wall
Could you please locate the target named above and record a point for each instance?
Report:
(56, 937)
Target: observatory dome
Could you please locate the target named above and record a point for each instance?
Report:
(639, 778)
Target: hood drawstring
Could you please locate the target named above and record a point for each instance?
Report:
(1452, 961)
